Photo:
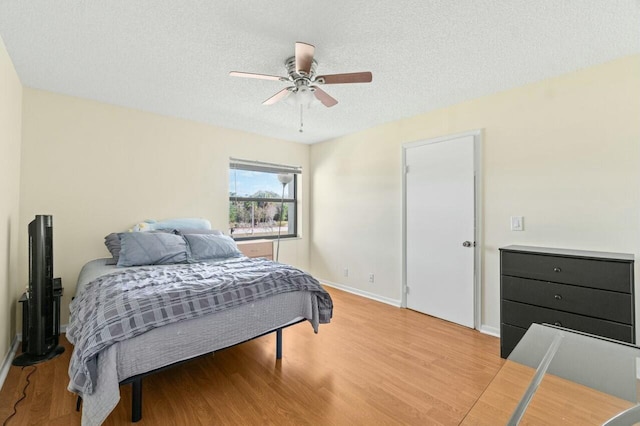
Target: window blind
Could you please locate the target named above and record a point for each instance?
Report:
(260, 166)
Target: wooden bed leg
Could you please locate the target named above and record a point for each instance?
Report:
(136, 400)
(279, 343)
(78, 402)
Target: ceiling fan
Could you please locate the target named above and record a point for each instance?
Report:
(303, 79)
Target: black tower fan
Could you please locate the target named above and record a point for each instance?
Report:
(41, 303)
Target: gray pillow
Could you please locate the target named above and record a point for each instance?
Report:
(146, 248)
(210, 246)
(112, 241)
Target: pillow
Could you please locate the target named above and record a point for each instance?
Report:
(210, 246)
(180, 223)
(145, 248)
(112, 241)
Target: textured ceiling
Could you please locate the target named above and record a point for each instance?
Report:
(173, 57)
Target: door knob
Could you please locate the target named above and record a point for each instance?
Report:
(467, 244)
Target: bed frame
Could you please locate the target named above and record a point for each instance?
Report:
(136, 381)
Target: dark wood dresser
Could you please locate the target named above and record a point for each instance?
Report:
(582, 290)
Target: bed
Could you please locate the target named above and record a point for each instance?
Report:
(126, 349)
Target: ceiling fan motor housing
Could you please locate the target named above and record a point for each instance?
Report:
(294, 75)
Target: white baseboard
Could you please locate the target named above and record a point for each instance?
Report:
(491, 331)
(368, 295)
(6, 362)
(485, 329)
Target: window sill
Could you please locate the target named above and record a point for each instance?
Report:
(270, 238)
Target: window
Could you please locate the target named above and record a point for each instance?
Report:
(260, 205)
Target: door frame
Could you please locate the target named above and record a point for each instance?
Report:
(478, 249)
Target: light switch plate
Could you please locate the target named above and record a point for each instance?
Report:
(517, 223)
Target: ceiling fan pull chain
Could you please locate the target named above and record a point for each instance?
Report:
(301, 124)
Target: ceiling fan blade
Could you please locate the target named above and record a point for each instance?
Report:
(304, 57)
(278, 96)
(353, 77)
(259, 76)
(324, 97)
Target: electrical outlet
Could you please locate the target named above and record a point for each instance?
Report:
(345, 272)
(371, 278)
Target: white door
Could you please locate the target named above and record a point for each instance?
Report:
(440, 218)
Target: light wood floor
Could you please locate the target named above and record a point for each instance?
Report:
(373, 365)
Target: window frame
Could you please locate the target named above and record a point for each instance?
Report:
(256, 166)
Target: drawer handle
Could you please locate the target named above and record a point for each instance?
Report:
(557, 297)
(558, 324)
(556, 269)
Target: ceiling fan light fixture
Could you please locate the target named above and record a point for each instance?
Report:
(302, 95)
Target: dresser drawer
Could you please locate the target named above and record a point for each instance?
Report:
(509, 338)
(603, 274)
(607, 305)
(256, 248)
(522, 315)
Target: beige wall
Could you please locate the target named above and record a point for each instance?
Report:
(10, 137)
(99, 168)
(564, 153)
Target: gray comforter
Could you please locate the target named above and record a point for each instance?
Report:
(128, 303)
